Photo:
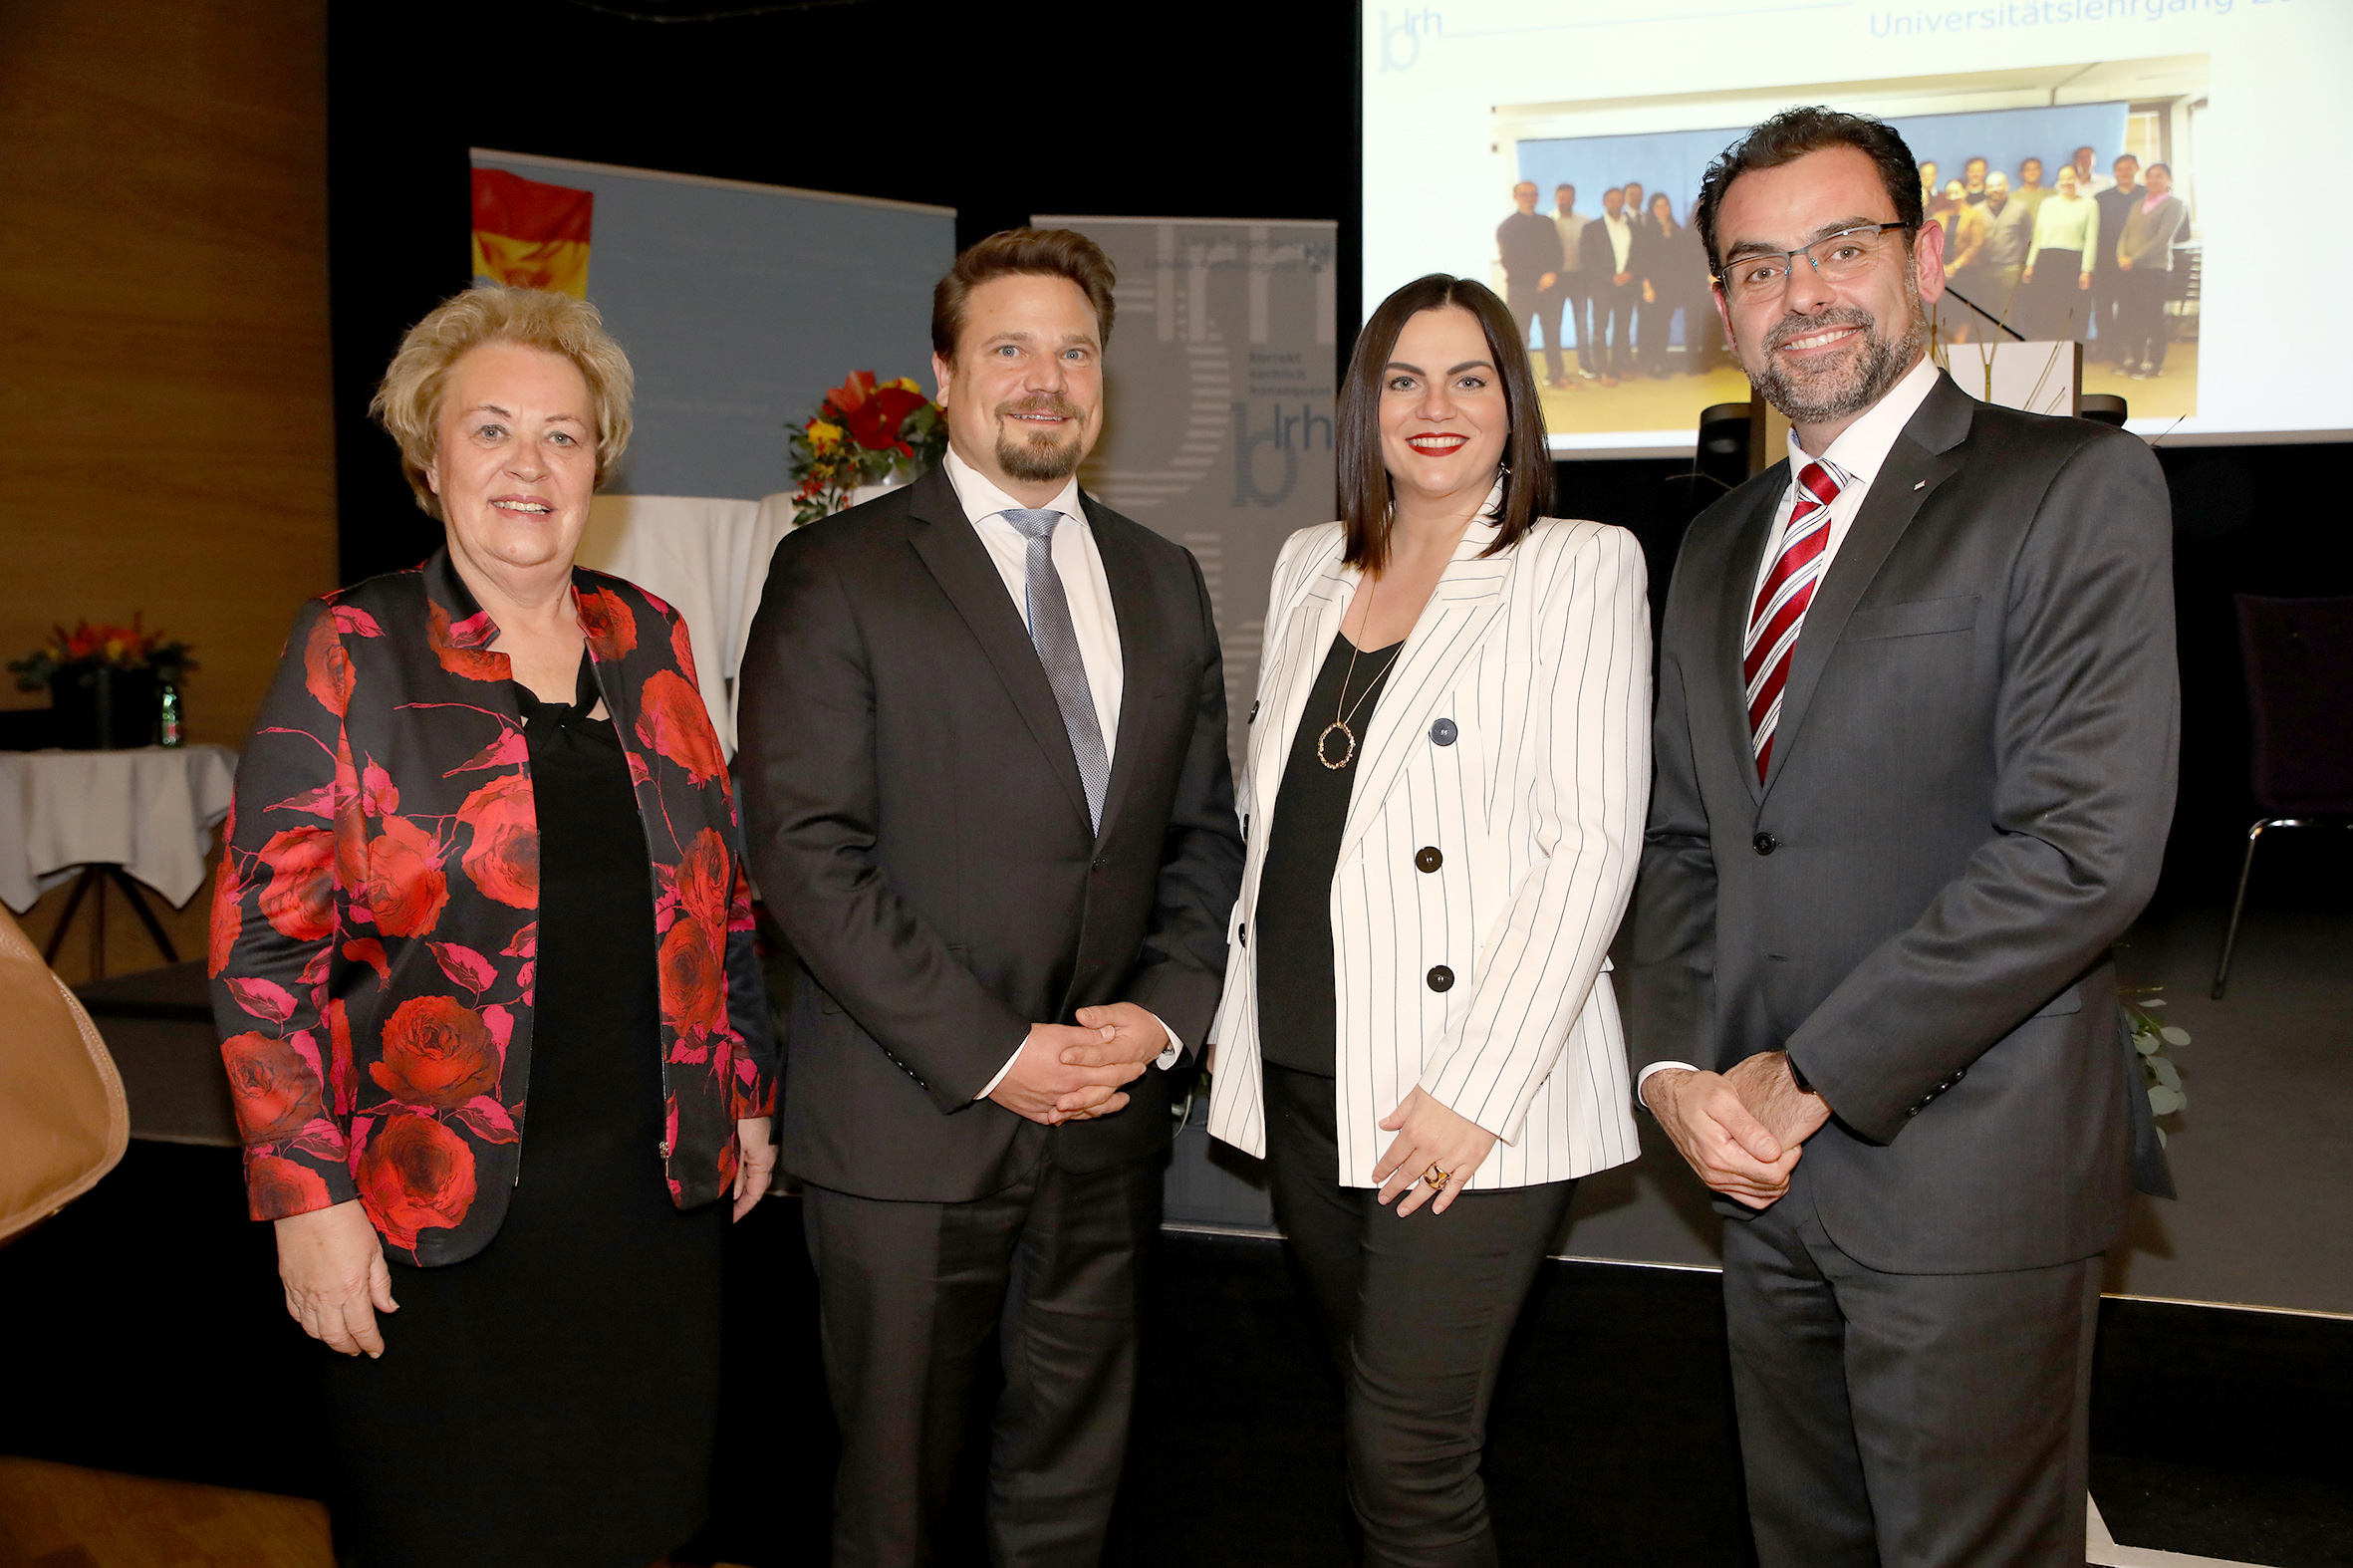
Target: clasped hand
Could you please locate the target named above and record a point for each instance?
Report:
(1429, 1133)
(1067, 1074)
(1741, 1130)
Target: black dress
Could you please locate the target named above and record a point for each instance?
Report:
(1298, 1018)
(553, 1399)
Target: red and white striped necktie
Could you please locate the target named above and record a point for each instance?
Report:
(1780, 608)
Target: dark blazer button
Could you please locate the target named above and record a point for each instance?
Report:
(1764, 844)
(1100, 863)
(1429, 858)
(1441, 978)
(1443, 732)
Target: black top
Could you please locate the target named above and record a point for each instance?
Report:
(598, 1076)
(1298, 1024)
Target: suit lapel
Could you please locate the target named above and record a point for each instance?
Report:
(1748, 544)
(1916, 465)
(943, 538)
(1461, 610)
(1142, 636)
(1294, 659)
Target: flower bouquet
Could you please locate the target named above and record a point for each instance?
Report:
(107, 683)
(862, 434)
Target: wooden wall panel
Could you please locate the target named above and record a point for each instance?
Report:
(165, 438)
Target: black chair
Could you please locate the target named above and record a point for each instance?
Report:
(2300, 696)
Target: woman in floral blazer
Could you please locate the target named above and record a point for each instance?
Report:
(382, 957)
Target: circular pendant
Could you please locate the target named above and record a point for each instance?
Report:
(1323, 753)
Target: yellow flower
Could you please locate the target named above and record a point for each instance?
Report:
(824, 437)
(908, 383)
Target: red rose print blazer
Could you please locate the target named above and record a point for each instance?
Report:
(376, 914)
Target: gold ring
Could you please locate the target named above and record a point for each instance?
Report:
(1436, 1179)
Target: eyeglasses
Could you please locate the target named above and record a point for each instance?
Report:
(1836, 257)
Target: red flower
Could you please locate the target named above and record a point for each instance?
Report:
(275, 1093)
(299, 903)
(673, 721)
(474, 664)
(416, 1175)
(705, 879)
(437, 1051)
(406, 888)
(608, 622)
(229, 916)
(683, 649)
(693, 978)
(275, 1188)
(504, 856)
(852, 395)
(325, 667)
(874, 423)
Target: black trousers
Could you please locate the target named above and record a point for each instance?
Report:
(1612, 353)
(1530, 304)
(2140, 317)
(907, 1296)
(1568, 306)
(1415, 1313)
(1906, 1421)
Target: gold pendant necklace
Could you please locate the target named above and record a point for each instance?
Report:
(1342, 712)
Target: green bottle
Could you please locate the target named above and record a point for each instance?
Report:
(168, 731)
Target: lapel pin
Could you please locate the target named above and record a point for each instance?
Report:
(1920, 485)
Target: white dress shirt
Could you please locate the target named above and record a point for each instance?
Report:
(1088, 590)
(1853, 459)
(1621, 233)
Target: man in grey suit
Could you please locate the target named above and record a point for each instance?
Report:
(984, 760)
(1915, 755)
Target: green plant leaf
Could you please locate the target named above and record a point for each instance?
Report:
(2167, 1072)
(2164, 1101)
(2174, 1035)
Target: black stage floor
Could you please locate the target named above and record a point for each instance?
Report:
(145, 1334)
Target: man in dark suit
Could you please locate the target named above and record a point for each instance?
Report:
(984, 754)
(1528, 243)
(1914, 747)
(1609, 276)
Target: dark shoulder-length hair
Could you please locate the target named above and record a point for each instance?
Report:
(1366, 498)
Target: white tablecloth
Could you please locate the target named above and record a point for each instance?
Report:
(709, 559)
(149, 811)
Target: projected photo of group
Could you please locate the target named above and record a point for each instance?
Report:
(2071, 221)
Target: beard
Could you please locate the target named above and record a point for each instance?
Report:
(1040, 456)
(1855, 381)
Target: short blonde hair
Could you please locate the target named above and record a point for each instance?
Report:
(408, 402)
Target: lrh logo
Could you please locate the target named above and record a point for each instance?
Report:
(1401, 41)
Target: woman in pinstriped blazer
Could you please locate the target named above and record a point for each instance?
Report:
(1448, 774)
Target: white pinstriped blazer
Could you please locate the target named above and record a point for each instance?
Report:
(1540, 660)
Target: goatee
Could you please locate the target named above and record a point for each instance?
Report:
(1855, 383)
(1040, 456)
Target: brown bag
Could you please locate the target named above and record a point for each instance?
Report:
(63, 1119)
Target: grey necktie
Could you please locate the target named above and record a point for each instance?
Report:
(1057, 643)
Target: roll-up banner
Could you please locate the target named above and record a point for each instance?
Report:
(1218, 420)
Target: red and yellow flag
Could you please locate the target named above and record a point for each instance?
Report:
(531, 235)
